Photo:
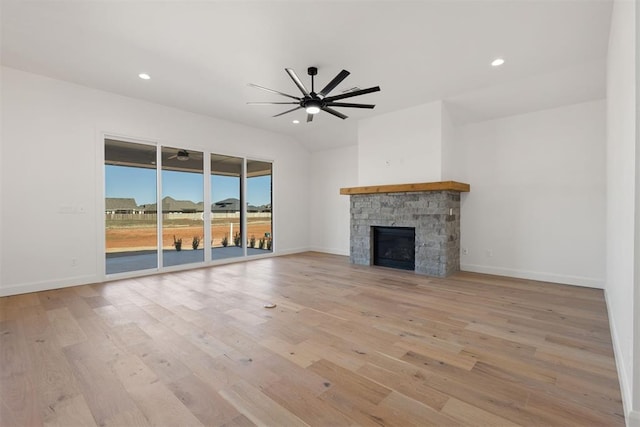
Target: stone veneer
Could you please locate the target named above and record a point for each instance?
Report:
(437, 232)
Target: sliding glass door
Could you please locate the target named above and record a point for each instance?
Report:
(182, 206)
(259, 200)
(156, 214)
(226, 207)
(131, 230)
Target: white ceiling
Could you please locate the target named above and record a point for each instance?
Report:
(201, 55)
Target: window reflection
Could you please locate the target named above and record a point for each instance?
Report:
(259, 207)
(226, 212)
(182, 206)
(131, 232)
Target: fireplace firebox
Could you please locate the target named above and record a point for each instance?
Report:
(394, 247)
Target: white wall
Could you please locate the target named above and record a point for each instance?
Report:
(622, 252)
(536, 206)
(52, 143)
(448, 147)
(1, 184)
(634, 415)
(401, 147)
(329, 220)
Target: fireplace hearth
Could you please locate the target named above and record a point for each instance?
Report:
(394, 247)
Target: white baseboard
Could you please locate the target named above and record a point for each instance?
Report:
(625, 380)
(587, 282)
(47, 285)
(333, 251)
(292, 251)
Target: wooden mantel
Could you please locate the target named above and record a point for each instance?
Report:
(408, 188)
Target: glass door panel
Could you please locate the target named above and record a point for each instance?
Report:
(131, 230)
(259, 216)
(182, 206)
(226, 204)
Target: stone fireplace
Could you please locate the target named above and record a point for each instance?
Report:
(431, 209)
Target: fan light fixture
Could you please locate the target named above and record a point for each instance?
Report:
(312, 106)
(497, 62)
(182, 155)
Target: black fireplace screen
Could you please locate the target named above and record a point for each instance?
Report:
(394, 247)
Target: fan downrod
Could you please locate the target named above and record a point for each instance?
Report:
(312, 71)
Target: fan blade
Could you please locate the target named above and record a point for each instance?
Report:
(172, 157)
(333, 83)
(309, 118)
(274, 91)
(297, 81)
(354, 93)
(288, 111)
(348, 104)
(334, 112)
(271, 103)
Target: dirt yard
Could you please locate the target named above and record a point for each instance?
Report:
(144, 237)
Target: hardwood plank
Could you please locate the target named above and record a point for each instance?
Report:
(131, 418)
(455, 358)
(364, 388)
(132, 372)
(352, 406)
(305, 404)
(111, 315)
(239, 421)
(10, 418)
(18, 391)
(414, 387)
(471, 415)
(203, 401)
(74, 412)
(568, 413)
(85, 291)
(503, 365)
(258, 407)
(301, 356)
(164, 363)
(105, 395)
(336, 350)
(347, 345)
(290, 372)
(161, 407)
(243, 369)
(51, 373)
(399, 409)
(245, 317)
(65, 327)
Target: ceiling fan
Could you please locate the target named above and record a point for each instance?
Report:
(314, 102)
(181, 155)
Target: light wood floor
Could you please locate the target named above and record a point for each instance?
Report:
(346, 345)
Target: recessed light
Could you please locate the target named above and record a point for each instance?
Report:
(296, 121)
(497, 62)
(144, 76)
